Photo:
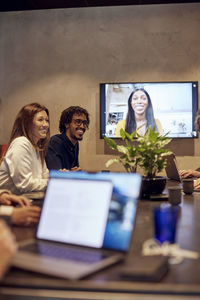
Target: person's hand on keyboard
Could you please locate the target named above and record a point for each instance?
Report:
(25, 216)
(197, 184)
(189, 173)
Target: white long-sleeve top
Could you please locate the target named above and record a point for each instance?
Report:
(21, 170)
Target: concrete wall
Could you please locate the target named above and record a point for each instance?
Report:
(59, 57)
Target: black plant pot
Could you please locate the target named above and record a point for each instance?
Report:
(153, 186)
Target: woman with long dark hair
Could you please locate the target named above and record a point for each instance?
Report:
(23, 168)
(140, 114)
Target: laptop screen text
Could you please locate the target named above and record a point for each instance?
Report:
(75, 211)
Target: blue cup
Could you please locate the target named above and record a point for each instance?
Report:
(165, 222)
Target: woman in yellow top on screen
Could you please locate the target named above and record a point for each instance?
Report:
(140, 114)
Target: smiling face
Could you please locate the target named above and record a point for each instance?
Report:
(76, 129)
(40, 126)
(139, 102)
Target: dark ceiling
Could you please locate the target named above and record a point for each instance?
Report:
(14, 5)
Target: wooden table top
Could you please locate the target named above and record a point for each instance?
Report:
(181, 279)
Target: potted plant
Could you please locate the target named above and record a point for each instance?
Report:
(129, 158)
(148, 153)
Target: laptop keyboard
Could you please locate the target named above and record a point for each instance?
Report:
(64, 252)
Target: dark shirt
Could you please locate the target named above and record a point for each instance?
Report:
(62, 154)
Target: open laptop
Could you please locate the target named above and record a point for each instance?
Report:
(173, 172)
(86, 224)
(172, 169)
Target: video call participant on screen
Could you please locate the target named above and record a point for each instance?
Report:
(193, 173)
(63, 148)
(140, 114)
(23, 168)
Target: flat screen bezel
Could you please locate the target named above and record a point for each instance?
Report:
(139, 83)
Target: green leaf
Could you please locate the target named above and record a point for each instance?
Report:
(123, 134)
(111, 143)
(112, 161)
(149, 152)
(122, 149)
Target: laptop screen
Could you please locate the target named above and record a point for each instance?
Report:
(75, 211)
(172, 169)
(123, 205)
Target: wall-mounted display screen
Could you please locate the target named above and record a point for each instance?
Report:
(170, 107)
